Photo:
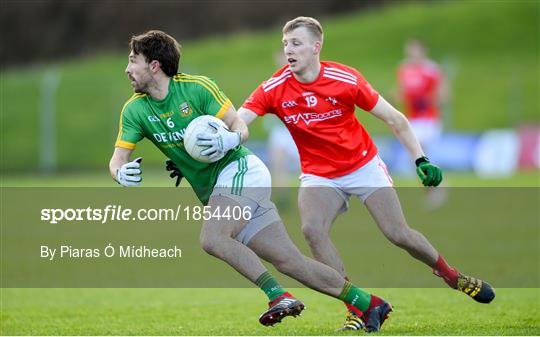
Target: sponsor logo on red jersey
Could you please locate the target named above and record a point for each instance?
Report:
(308, 117)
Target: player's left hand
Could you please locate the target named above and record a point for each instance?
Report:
(430, 174)
(218, 143)
(175, 171)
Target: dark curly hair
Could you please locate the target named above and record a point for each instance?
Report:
(159, 46)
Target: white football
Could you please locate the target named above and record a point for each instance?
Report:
(197, 126)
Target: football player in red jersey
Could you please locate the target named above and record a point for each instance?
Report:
(316, 101)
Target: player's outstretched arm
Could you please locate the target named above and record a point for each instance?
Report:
(123, 171)
(430, 174)
(399, 125)
(247, 115)
(236, 124)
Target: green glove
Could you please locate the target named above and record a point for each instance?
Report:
(430, 174)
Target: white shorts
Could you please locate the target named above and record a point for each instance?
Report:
(361, 183)
(427, 130)
(247, 181)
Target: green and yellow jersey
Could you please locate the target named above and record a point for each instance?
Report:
(164, 123)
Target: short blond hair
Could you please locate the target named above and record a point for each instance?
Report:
(311, 24)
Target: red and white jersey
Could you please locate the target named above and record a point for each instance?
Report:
(419, 84)
(320, 116)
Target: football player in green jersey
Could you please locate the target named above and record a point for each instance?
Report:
(163, 105)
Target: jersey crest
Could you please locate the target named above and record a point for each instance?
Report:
(185, 109)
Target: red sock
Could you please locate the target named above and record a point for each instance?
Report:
(443, 269)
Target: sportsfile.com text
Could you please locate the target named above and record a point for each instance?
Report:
(119, 213)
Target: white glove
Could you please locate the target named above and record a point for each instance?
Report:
(218, 143)
(130, 173)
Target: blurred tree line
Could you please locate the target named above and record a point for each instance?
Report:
(45, 30)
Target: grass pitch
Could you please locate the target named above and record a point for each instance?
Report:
(235, 312)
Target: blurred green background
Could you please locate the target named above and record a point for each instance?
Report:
(489, 49)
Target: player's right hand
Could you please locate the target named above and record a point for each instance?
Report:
(175, 171)
(218, 143)
(130, 173)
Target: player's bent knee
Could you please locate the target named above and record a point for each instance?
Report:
(208, 247)
(209, 244)
(314, 233)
